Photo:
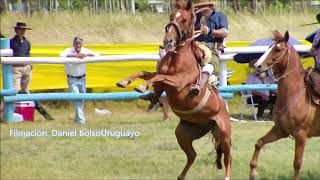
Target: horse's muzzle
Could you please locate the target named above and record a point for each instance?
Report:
(169, 45)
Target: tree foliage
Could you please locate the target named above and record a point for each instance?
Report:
(28, 7)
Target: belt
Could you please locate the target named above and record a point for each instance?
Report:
(77, 77)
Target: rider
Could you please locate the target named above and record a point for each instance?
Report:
(316, 47)
(213, 26)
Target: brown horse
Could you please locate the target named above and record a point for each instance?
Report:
(177, 71)
(294, 114)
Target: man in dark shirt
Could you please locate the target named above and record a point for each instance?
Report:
(213, 26)
(21, 48)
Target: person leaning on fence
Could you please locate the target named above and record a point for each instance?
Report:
(263, 98)
(21, 48)
(76, 75)
(213, 26)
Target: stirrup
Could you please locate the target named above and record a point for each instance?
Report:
(194, 90)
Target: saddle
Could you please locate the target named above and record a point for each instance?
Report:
(312, 78)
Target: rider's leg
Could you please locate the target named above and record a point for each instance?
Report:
(205, 75)
(210, 63)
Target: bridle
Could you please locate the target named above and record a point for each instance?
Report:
(181, 34)
(277, 60)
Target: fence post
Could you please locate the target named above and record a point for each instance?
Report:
(8, 108)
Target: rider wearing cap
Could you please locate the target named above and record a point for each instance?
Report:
(213, 26)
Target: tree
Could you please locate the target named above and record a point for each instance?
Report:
(254, 6)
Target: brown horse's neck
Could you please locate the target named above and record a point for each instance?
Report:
(183, 64)
(293, 82)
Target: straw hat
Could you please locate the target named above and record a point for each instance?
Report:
(203, 3)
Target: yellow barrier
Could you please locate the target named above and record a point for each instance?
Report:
(103, 76)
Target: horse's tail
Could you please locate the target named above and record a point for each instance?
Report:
(218, 148)
(219, 151)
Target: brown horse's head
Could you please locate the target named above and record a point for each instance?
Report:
(276, 58)
(180, 26)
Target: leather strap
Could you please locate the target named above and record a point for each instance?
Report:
(203, 101)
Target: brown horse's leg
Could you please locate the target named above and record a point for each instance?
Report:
(170, 80)
(165, 107)
(186, 133)
(143, 75)
(274, 134)
(300, 140)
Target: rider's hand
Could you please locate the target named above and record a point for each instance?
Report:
(204, 30)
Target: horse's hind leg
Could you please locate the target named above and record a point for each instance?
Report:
(274, 134)
(300, 140)
(226, 146)
(143, 75)
(223, 140)
(186, 133)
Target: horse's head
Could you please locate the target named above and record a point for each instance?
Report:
(180, 26)
(276, 58)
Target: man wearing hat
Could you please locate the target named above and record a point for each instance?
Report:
(21, 48)
(76, 75)
(213, 26)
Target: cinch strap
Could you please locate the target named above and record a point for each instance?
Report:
(198, 107)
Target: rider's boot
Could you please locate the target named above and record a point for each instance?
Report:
(195, 88)
(154, 101)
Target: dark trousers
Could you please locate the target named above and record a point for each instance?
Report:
(263, 104)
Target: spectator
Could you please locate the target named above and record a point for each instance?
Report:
(263, 98)
(21, 48)
(76, 75)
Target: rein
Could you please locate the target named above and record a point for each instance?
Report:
(285, 74)
(181, 34)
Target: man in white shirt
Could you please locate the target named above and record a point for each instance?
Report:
(76, 75)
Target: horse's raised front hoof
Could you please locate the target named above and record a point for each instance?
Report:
(122, 83)
(180, 178)
(141, 88)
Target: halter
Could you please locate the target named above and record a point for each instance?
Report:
(181, 34)
(277, 60)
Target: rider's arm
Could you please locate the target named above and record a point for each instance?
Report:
(223, 31)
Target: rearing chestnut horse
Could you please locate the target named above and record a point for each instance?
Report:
(294, 114)
(177, 71)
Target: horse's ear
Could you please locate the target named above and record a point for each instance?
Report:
(189, 5)
(286, 37)
(180, 4)
(277, 36)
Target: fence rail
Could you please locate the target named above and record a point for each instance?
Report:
(10, 96)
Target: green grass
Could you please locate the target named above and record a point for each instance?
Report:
(155, 154)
